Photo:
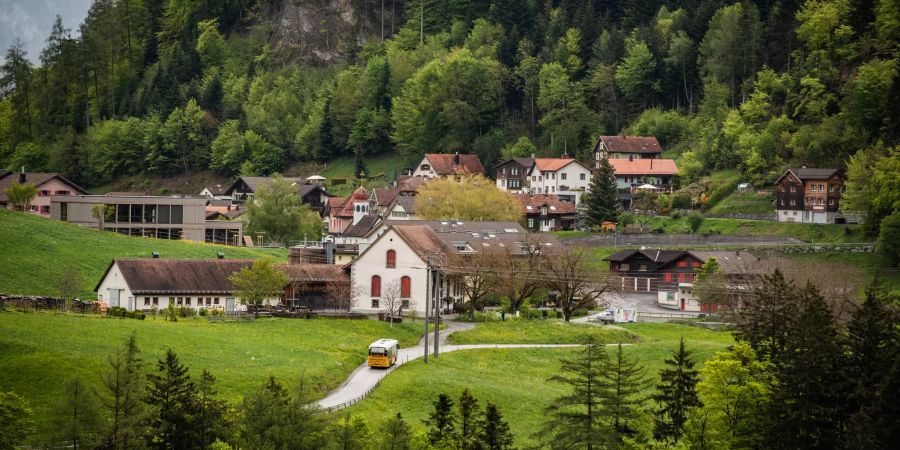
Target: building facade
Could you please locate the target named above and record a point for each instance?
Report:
(512, 174)
(434, 165)
(48, 185)
(546, 212)
(625, 147)
(564, 177)
(158, 217)
(809, 195)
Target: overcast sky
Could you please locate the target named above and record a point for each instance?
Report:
(31, 21)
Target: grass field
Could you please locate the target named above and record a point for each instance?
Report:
(383, 168)
(515, 379)
(745, 202)
(34, 252)
(537, 332)
(40, 351)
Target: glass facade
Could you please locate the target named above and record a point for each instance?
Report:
(160, 214)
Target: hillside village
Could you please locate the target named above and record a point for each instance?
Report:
(450, 224)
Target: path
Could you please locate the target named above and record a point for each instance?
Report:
(364, 379)
(675, 239)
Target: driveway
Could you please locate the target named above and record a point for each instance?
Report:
(365, 379)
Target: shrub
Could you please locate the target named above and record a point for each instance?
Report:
(185, 311)
(675, 215)
(694, 219)
(889, 239)
(626, 218)
(681, 200)
(202, 312)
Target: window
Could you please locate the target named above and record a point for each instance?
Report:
(172, 300)
(831, 188)
(146, 301)
(793, 188)
(405, 287)
(530, 223)
(513, 170)
(643, 268)
(375, 288)
(216, 301)
(667, 276)
(695, 264)
(682, 264)
(782, 202)
(33, 208)
(543, 210)
(45, 209)
(43, 193)
(582, 177)
(149, 213)
(625, 266)
(425, 167)
(375, 303)
(177, 214)
(61, 193)
(830, 202)
(163, 213)
(391, 259)
(404, 303)
(562, 176)
(793, 203)
(156, 301)
(503, 171)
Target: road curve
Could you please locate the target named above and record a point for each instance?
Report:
(363, 379)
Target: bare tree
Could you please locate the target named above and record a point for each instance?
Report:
(391, 303)
(69, 285)
(568, 272)
(474, 273)
(341, 292)
(517, 273)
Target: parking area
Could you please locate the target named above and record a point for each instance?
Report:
(647, 308)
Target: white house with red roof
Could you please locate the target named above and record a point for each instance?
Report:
(632, 173)
(436, 165)
(564, 177)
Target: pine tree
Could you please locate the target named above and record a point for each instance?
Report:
(349, 432)
(395, 434)
(807, 398)
(171, 393)
(575, 420)
(122, 396)
(766, 315)
(470, 421)
(676, 395)
(495, 434)
(209, 421)
(602, 202)
(79, 417)
(625, 380)
(442, 422)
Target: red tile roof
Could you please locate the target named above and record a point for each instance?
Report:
(420, 238)
(453, 164)
(644, 166)
(631, 144)
(552, 164)
(532, 204)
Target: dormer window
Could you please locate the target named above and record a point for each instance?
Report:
(543, 210)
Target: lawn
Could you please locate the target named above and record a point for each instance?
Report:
(520, 331)
(870, 262)
(34, 252)
(40, 351)
(804, 231)
(383, 169)
(515, 379)
(745, 202)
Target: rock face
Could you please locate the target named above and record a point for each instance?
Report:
(328, 31)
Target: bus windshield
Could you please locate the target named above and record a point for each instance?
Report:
(377, 351)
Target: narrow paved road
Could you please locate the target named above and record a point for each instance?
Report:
(364, 378)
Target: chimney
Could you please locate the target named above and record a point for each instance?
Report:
(456, 158)
(630, 157)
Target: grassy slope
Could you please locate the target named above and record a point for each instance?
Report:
(34, 252)
(536, 332)
(515, 379)
(40, 351)
(745, 202)
(387, 165)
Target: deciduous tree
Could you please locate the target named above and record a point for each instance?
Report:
(16, 416)
(278, 213)
(472, 197)
(259, 283)
(578, 286)
(21, 195)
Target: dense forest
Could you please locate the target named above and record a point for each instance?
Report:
(179, 86)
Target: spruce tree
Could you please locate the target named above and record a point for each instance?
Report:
(395, 434)
(676, 394)
(122, 395)
(470, 421)
(79, 418)
(807, 397)
(349, 432)
(171, 394)
(625, 380)
(209, 421)
(442, 422)
(602, 202)
(766, 315)
(575, 420)
(495, 434)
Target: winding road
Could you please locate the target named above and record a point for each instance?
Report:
(363, 379)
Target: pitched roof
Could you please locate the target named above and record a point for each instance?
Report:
(37, 178)
(361, 228)
(216, 189)
(306, 188)
(408, 202)
(521, 160)
(731, 262)
(532, 204)
(384, 196)
(644, 166)
(552, 164)
(189, 276)
(658, 256)
(409, 183)
(631, 144)
(457, 163)
(811, 173)
(313, 272)
(255, 182)
(420, 238)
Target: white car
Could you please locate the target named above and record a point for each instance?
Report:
(603, 317)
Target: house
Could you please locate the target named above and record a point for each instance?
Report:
(316, 286)
(631, 173)
(161, 217)
(396, 263)
(546, 212)
(402, 208)
(809, 195)
(671, 273)
(311, 193)
(564, 177)
(141, 284)
(48, 184)
(512, 174)
(436, 165)
(625, 147)
(340, 213)
(215, 192)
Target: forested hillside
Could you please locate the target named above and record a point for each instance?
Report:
(254, 86)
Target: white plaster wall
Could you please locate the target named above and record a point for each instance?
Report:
(373, 262)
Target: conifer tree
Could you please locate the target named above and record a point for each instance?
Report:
(766, 315)
(575, 420)
(676, 395)
(349, 432)
(470, 421)
(625, 380)
(495, 434)
(122, 395)
(395, 434)
(807, 401)
(171, 394)
(442, 422)
(209, 421)
(79, 418)
(602, 202)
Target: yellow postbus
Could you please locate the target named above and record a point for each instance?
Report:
(383, 353)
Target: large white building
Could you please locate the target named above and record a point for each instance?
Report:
(564, 177)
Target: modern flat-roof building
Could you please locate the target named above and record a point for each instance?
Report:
(162, 217)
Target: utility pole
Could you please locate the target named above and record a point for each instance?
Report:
(437, 314)
(427, 297)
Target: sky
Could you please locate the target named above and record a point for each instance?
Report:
(32, 20)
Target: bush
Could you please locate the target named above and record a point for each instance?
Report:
(675, 215)
(889, 239)
(694, 219)
(185, 311)
(202, 312)
(626, 218)
(681, 201)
